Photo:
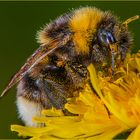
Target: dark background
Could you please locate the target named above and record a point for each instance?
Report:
(19, 22)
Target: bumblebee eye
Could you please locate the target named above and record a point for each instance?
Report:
(105, 37)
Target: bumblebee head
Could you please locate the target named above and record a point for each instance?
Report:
(101, 35)
(113, 39)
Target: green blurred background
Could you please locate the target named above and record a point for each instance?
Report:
(19, 22)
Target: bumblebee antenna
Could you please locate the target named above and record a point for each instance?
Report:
(113, 62)
(126, 22)
(113, 49)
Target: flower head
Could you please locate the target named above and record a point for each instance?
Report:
(114, 107)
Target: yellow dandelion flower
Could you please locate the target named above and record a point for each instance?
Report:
(113, 109)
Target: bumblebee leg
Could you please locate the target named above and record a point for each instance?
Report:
(77, 73)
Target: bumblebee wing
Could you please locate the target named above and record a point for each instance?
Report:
(34, 59)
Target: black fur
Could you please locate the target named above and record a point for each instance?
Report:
(59, 28)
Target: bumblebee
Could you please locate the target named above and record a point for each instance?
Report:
(58, 68)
